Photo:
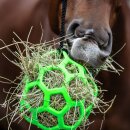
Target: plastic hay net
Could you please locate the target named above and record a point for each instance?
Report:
(31, 59)
(66, 94)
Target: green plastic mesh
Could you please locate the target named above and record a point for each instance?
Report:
(65, 103)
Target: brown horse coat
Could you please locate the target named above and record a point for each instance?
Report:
(20, 15)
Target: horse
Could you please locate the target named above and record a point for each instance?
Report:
(90, 24)
(90, 27)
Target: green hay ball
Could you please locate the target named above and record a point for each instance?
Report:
(47, 108)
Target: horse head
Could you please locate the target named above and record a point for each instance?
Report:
(90, 23)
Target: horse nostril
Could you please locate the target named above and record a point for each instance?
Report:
(79, 32)
(82, 32)
(73, 26)
(106, 44)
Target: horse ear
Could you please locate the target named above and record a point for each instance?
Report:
(54, 15)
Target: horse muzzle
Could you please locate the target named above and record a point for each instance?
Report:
(89, 44)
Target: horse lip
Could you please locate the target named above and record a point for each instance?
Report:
(83, 45)
(92, 38)
(86, 38)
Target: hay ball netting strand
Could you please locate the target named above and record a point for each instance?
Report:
(55, 92)
(62, 94)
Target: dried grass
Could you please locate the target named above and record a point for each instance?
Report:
(29, 59)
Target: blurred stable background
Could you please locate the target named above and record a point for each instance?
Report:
(19, 15)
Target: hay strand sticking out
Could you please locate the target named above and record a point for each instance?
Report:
(29, 58)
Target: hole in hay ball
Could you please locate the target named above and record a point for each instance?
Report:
(72, 116)
(47, 119)
(53, 79)
(55, 58)
(72, 68)
(57, 102)
(49, 57)
(77, 89)
(35, 97)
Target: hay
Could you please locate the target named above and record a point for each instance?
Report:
(29, 59)
(47, 119)
(35, 101)
(55, 79)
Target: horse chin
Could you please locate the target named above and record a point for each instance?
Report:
(86, 51)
